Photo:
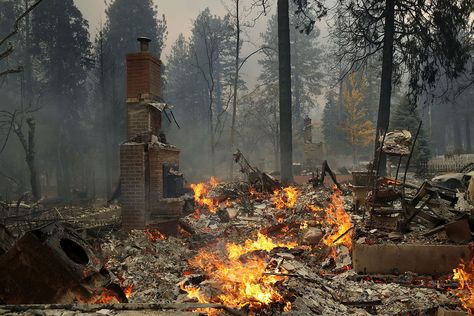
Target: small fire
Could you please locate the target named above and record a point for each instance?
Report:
(238, 280)
(464, 274)
(304, 225)
(154, 235)
(128, 291)
(314, 208)
(338, 217)
(201, 191)
(262, 243)
(390, 181)
(109, 297)
(285, 198)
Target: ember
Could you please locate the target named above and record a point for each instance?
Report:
(239, 281)
(154, 235)
(201, 191)
(285, 198)
(128, 291)
(464, 274)
(110, 297)
(107, 297)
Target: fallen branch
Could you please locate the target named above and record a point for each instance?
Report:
(11, 71)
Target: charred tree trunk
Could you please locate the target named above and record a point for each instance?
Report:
(27, 64)
(29, 148)
(284, 60)
(31, 160)
(236, 82)
(211, 129)
(383, 118)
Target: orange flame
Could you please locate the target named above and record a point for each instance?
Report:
(285, 198)
(128, 291)
(314, 208)
(239, 281)
(154, 235)
(338, 217)
(464, 274)
(201, 191)
(109, 297)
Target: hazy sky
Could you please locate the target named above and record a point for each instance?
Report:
(179, 16)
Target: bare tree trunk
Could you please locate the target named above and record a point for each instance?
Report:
(236, 81)
(29, 148)
(27, 65)
(31, 160)
(286, 141)
(386, 81)
(211, 129)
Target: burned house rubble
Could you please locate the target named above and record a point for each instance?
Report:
(251, 249)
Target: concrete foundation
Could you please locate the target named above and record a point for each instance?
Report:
(400, 258)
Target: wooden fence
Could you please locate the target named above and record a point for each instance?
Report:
(449, 163)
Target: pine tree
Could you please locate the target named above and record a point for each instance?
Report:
(406, 117)
(203, 68)
(60, 48)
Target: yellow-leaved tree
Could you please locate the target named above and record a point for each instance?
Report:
(359, 131)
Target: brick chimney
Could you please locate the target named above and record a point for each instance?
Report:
(143, 74)
(143, 86)
(149, 167)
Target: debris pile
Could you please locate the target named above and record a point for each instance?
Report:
(247, 250)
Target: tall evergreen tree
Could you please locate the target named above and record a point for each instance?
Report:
(203, 67)
(331, 123)
(60, 46)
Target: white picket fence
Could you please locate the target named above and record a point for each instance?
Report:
(450, 163)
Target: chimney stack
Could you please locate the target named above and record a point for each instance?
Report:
(143, 74)
(144, 43)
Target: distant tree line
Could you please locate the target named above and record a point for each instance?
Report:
(67, 89)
